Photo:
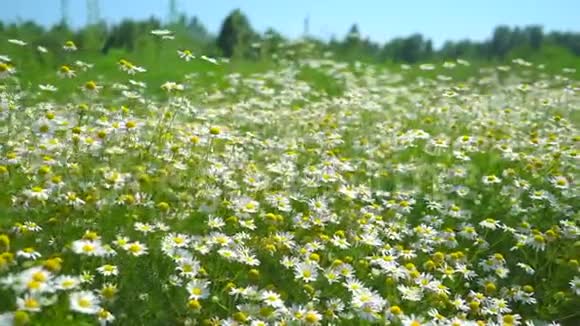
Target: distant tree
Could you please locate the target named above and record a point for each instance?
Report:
(128, 32)
(237, 39)
(353, 36)
(121, 36)
(272, 42)
(536, 36)
(567, 40)
(236, 35)
(92, 37)
(461, 49)
(125, 34)
(413, 49)
(428, 50)
(196, 29)
(391, 49)
(351, 47)
(501, 41)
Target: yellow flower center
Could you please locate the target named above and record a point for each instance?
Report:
(84, 302)
(196, 291)
(31, 303)
(187, 268)
(88, 248)
(561, 182)
(33, 285)
(91, 85)
(108, 292)
(44, 128)
(396, 310)
(39, 277)
(104, 314)
(194, 304)
(311, 317)
(134, 248)
(67, 283)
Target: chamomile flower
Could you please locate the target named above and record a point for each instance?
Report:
(311, 317)
(490, 179)
(198, 289)
(48, 88)
(560, 182)
(88, 247)
(171, 87)
(91, 87)
(66, 72)
(188, 267)
(136, 248)
(144, 228)
(28, 253)
(83, 66)
(161, 32)
(66, 282)
(129, 67)
(108, 270)
(37, 193)
(412, 320)
(85, 302)
(527, 268)
(306, 271)
(175, 240)
(210, 60)
(537, 241)
(29, 303)
(215, 222)
(575, 285)
(490, 223)
(185, 55)
(105, 317)
(69, 46)
(6, 70)
(17, 42)
(272, 299)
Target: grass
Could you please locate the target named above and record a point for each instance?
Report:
(302, 191)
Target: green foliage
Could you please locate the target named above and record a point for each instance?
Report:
(366, 154)
(236, 35)
(237, 39)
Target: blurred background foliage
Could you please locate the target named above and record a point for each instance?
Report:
(101, 43)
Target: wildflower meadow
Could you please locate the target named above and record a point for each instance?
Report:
(307, 192)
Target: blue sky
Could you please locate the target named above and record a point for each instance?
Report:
(381, 20)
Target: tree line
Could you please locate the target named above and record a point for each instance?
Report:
(238, 39)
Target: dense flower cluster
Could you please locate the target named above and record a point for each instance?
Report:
(408, 199)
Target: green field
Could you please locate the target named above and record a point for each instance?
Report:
(300, 190)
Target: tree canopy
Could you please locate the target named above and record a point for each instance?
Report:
(237, 39)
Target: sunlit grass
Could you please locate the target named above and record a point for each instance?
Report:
(299, 191)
